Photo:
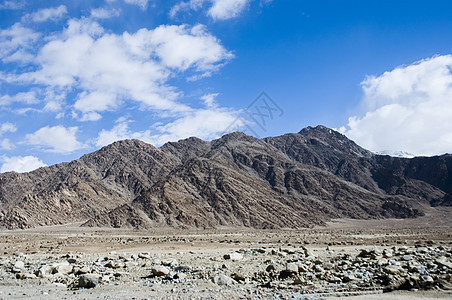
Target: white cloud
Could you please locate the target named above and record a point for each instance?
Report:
(227, 9)
(20, 164)
(13, 5)
(141, 3)
(181, 47)
(100, 71)
(24, 97)
(58, 139)
(206, 124)
(91, 116)
(95, 101)
(103, 13)
(47, 14)
(119, 132)
(16, 42)
(7, 127)
(6, 144)
(203, 123)
(81, 59)
(182, 6)
(209, 99)
(408, 108)
(218, 9)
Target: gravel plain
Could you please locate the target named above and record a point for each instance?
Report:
(348, 259)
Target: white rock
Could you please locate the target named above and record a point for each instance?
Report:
(61, 268)
(18, 266)
(43, 271)
(234, 256)
(292, 268)
(160, 271)
(222, 279)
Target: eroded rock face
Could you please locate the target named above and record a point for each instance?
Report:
(294, 180)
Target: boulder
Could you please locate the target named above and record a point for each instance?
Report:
(160, 271)
(222, 279)
(234, 256)
(88, 281)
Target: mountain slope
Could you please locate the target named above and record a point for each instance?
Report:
(294, 180)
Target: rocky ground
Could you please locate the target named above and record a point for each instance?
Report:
(369, 259)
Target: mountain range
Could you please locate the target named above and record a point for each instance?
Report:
(290, 181)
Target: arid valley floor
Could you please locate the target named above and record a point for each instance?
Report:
(367, 259)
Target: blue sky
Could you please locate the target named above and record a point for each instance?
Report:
(78, 75)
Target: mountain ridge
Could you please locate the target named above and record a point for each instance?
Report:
(293, 180)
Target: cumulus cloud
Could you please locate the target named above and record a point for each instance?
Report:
(47, 14)
(16, 42)
(227, 9)
(6, 144)
(408, 109)
(181, 47)
(217, 9)
(119, 132)
(209, 99)
(7, 127)
(85, 71)
(58, 139)
(24, 97)
(81, 59)
(206, 124)
(20, 164)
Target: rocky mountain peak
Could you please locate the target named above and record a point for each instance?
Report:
(293, 180)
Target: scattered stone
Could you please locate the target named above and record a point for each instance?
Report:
(25, 276)
(303, 268)
(180, 275)
(442, 261)
(427, 279)
(270, 268)
(43, 271)
(407, 258)
(18, 266)
(422, 250)
(348, 278)
(88, 280)
(61, 268)
(73, 260)
(160, 271)
(334, 279)
(239, 277)
(83, 270)
(183, 268)
(114, 265)
(234, 256)
(144, 255)
(393, 269)
(292, 268)
(222, 279)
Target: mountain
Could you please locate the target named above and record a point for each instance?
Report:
(291, 181)
(403, 154)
